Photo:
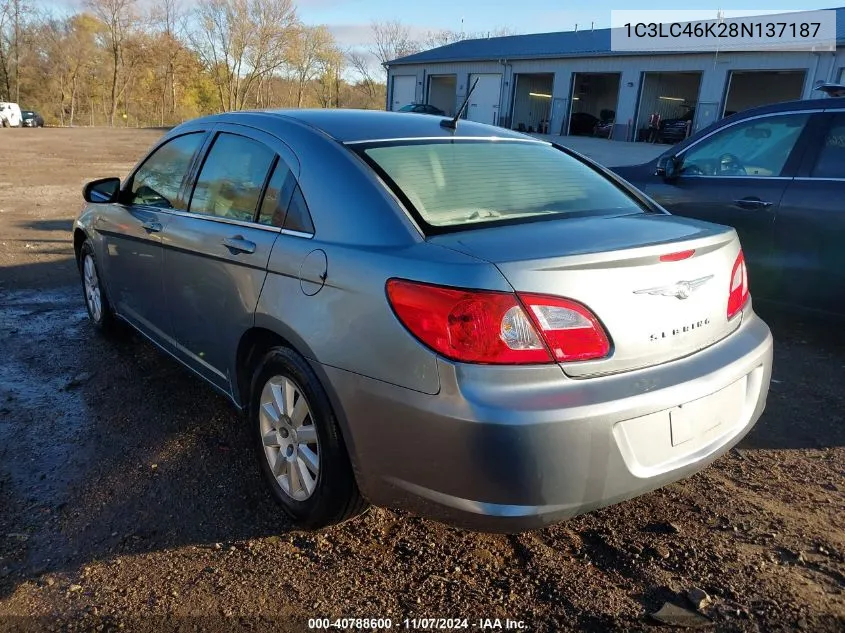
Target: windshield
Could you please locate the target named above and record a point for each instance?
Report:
(460, 182)
(407, 108)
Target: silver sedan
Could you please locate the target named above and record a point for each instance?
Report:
(471, 324)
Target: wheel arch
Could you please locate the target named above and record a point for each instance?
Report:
(254, 345)
(79, 237)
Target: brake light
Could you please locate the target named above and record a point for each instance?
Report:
(677, 257)
(480, 326)
(738, 292)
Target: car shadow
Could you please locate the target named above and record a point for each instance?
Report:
(50, 225)
(806, 404)
(142, 455)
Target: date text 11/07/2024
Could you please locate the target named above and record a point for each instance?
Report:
(417, 624)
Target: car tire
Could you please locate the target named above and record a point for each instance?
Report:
(294, 429)
(97, 303)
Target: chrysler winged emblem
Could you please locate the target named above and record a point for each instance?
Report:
(681, 290)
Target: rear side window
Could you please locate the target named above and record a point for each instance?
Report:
(284, 205)
(298, 217)
(277, 198)
(232, 177)
(830, 162)
(158, 180)
(456, 183)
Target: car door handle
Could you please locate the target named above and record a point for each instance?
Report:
(752, 203)
(238, 244)
(151, 226)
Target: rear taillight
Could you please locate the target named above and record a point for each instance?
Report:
(571, 331)
(738, 293)
(479, 326)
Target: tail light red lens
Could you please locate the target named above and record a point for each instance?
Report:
(478, 326)
(738, 292)
(677, 257)
(571, 331)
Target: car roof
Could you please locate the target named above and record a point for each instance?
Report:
(790, 106)
(350, 126)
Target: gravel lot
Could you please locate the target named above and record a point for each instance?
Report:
(129, 497)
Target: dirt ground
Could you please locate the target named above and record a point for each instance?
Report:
(129, 497)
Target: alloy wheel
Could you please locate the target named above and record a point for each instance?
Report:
(289, 437)
(92, 288)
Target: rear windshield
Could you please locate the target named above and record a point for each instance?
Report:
(460, 182)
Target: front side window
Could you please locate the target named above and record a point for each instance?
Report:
(460, 182)
(757, 147)
(158, 180)
(830, 162)
(231, 178)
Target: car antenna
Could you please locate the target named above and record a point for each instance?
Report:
(452, 123)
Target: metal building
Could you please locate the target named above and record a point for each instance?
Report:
(559, 83)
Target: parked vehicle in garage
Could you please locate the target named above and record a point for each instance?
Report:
(604, 128)
(30, 118)
(582, 123)
(675, 130)
(422, 108)
(478, 326)
(777, 175)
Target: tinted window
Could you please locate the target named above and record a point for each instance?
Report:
(757, 147)
(277, 197)
(455, 183)
(158, 180)
(831, 159)
(298, 217)
(407, 108)
(232, 177)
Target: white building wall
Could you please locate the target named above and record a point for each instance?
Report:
(825, 66)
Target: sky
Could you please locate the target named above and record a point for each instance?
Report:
(350, 20)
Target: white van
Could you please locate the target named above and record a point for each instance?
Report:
(10, 114)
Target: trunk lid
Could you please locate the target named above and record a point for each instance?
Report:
(653, 311)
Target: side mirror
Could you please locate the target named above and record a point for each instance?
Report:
(103, 190)
(668, 167)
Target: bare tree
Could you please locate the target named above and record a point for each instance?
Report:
(5, 45)
(331, 64)
(11, 31)
(435, 39)
(309, 48)
(241, 41)
(361, 63)
(392, 40)
(169, 18)
(117, 16)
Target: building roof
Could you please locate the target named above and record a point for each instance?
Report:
(583, 43)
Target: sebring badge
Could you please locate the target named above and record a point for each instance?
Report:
(681, 290)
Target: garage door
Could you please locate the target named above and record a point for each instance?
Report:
(484, 102)
(404, 91)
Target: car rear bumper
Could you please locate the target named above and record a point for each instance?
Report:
(507, 449)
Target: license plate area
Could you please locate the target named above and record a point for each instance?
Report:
(694, 419)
